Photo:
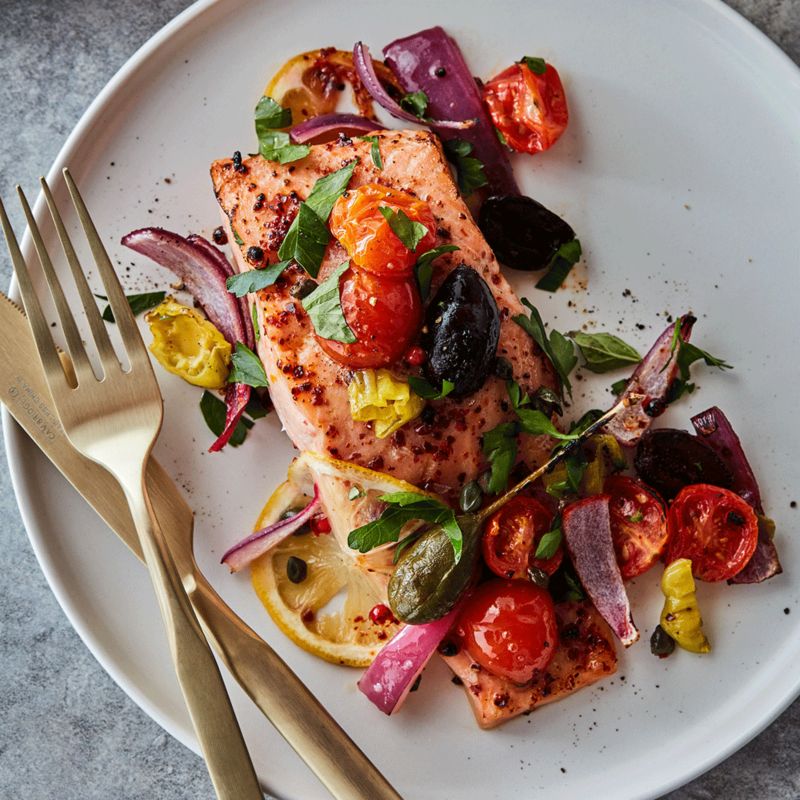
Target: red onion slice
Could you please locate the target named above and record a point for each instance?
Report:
(388, 680)
(587, 533)
(317, 127)
(237, 396)
(258, 543)
(365, 70)
(715, 429)
(653, 378)
(432, 62)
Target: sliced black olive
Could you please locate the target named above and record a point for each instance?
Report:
(523, 233)
(462, 329)
(669, 459)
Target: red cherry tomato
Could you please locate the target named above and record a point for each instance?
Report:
(713, 527)
(356, 221)
(383, 313)
(509, 628)
(512, 535)
(530, 110)
(638, 524)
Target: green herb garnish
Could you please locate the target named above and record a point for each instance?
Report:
(549, 542)
(269, 116)
(415, 103)
(427, 390)
(560, 265)
(408, 231)
(637, 516)
(255, 279)
(236, 238)
(618, 387)
(469, 170)
(374, 151)
(500, 448)
(139, 303)
(538, 66)
(424, 267)
(246, 367)
(324, 307)
(273, 144)
(256, 328)
(214, 413)
(603, 352)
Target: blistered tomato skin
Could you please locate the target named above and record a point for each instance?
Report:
(509, 628)
(356, 221)
(383, 313)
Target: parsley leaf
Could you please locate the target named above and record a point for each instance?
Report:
(275, 145)
(270, 115)
(325, 193)
(689, 353)
(427, 390)
(246, 367)
(374, 151)
(469, 170)
(425, 267)
(500, 448)
(538, 66)
(255, 279)
(324, 307)
(537, 423)
(214, 411)
(139, 303)
(415, 103)
(549, 542)
(405, 507)
(604, 351)
(560, 265)
(408, 231)
(516, 395)
(557, 348)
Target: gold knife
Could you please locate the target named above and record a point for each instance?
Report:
(283, 698)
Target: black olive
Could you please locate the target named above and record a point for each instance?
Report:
(471, 497)
(462, 329)
(296, 569)
(669, 459)
(523, 233)
(661, 643)
(503, 368)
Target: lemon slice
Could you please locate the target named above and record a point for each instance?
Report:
(327, 612)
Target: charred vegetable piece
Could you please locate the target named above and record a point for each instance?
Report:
(523, 233)
(428, 580)
(680, 617)
(668, 459)
(661, 643)
(461, 332)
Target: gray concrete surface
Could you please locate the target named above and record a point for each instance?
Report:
(66, 730)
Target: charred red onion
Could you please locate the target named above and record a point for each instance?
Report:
(237, 396)
(587, 534)
(388, 680)
(327, 126)
(258, 543)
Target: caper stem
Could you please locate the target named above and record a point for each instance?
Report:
(623, 403)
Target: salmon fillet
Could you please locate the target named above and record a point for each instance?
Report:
(308, 389)
(585, 654)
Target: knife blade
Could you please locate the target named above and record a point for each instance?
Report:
(281, 696)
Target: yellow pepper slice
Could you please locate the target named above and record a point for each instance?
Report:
(680, 617)
(186, 344)
(377, 396)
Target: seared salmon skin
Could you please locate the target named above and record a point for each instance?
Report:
(440, 450)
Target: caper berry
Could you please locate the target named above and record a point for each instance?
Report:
(471, 497)
(296, 569)
(661, 643)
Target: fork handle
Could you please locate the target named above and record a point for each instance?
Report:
(227, 759)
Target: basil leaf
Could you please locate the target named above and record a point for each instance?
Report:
(308, 241)
(320, 200)
(536, 423)
(277, 146)
(246, 367)
(516, 395)
(256, 328)
(425, 267)
(415, 103)
(255, 279)
(324, 307)
(586, 421)
(548, 544)
(139, 303)
(214, 411)
(255, 408)
(269, 115)
(427, 390)
(604, 351)
(500, 448)
(538, 66)
(575, 590)
(557, 348)
(409, 232)
(560, 265)
(374, 151)
(689, 353)
(469, 170)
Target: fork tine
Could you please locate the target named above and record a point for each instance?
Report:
(123, 315)
(80, 361)
(41, 330)
(96, 324)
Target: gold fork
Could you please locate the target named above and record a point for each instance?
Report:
(114, 422)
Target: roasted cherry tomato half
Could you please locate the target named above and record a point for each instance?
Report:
(383, 313)
(357, 222)
(530, 110)
(509, 628)
(512, 535)
(713, 527)
(638, 524)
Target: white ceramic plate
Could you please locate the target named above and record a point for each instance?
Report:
(680, 173)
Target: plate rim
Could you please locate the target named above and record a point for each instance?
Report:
(775, 61)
